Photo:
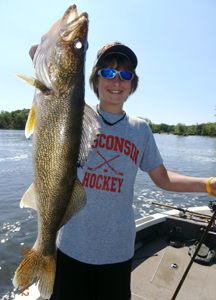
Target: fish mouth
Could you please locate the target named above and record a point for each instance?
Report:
(70, 22)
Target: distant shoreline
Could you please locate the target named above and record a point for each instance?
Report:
(204, 129)
(16, 120)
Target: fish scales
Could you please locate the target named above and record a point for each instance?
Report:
(60, 120)
(61, 163)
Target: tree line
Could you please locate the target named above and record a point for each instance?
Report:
(205, 129)
(13, 120)
(17, 120)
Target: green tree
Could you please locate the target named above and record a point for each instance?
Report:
(19, 121)
(180, 128)
(14, 120)
(155, 128)
(6, 120)
(205, 129)
(212, 129)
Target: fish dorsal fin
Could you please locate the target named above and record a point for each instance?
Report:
(89, 134)
(77, 202)
(28, 199)
(29, 128)
(33, 81)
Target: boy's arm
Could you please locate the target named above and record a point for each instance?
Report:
(170, 181)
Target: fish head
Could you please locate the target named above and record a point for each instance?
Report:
(60, 57)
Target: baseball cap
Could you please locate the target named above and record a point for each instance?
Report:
(116, 47)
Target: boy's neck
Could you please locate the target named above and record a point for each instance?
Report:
(112, 109)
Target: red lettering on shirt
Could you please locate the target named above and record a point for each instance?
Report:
(134, 153)
(120, 180)
(100, 182)
(92, 181)
(106, 183)
(86, 179)
(109, 142)
(127, 144)
(98, 186)
(118, 144)
(96, 142)
(102, 145)
(113, 184)
(114, 143)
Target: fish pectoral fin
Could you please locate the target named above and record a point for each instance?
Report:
(33, 81)
(77, 202)
(89, 134)
(28, 199)
(29, 128)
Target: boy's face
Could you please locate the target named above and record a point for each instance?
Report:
(113, 92)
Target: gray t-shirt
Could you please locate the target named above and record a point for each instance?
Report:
(104, 231)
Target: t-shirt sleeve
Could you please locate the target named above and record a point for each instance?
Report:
(151, 158)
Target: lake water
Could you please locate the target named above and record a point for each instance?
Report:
(192, 156)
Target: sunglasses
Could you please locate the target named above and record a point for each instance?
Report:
(111, 73)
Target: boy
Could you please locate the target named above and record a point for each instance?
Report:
(95, 248)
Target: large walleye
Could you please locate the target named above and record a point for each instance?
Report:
(64, 129)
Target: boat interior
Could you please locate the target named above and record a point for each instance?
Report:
(162, 256)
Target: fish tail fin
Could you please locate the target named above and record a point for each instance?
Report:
(36, 265)
(46, 276)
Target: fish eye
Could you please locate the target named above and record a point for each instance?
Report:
(78, 45)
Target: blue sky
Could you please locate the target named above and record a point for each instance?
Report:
(174, 40)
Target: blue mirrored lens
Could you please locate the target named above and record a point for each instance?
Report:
(108, 73)
(126, 75)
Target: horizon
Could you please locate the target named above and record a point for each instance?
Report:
(146, 119)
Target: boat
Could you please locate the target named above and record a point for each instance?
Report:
(162, 245)
(161, 257)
